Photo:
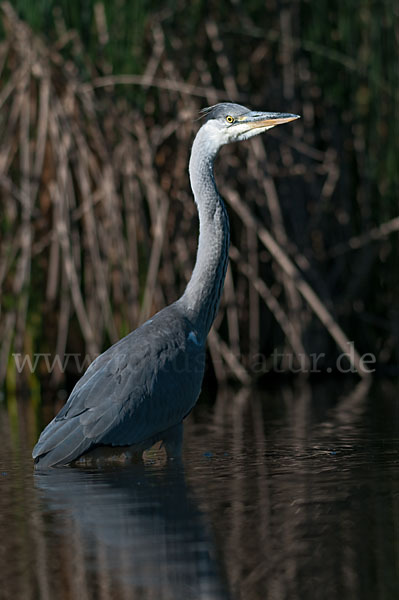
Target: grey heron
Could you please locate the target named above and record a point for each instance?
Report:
(139, 390)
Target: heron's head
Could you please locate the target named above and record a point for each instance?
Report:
(228, 122)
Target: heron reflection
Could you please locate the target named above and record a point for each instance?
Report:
(137, 526)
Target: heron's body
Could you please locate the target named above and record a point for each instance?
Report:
(115, 401)
(139, 391)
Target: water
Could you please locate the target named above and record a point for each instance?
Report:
(284, 494)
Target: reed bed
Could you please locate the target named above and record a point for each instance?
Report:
(98, 227)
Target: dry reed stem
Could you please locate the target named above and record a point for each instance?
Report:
(7, 333)
(357, 241)
(303, 287)
(4, 49)
(254, 300)
(278, 229)
(270, 300)
(158, 49)
(222, 60)
(130, 192)
(62, 328)
(42, 125)
(165, 84)
(230, 359)
(73, 280)
(219, 367)
(22, 277)
(155, 258)
(230, 305)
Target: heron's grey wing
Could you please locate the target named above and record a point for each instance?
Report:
(141, 386)
(94, 405)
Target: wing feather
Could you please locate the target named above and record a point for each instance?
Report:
(138, 388)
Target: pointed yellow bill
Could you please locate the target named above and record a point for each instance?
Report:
(272, 121)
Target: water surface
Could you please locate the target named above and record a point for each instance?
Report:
(284, 494)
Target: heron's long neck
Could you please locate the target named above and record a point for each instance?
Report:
(203, 292)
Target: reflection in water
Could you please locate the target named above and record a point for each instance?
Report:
(303, 491)
(292, 494)
(133, 528)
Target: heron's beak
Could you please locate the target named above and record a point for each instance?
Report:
(257, 120)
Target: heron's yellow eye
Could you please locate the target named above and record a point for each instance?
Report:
(230, 119)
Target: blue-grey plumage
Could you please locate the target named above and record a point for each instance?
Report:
(139, 391)
(119, 401)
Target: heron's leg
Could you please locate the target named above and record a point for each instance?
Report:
(173, 441)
